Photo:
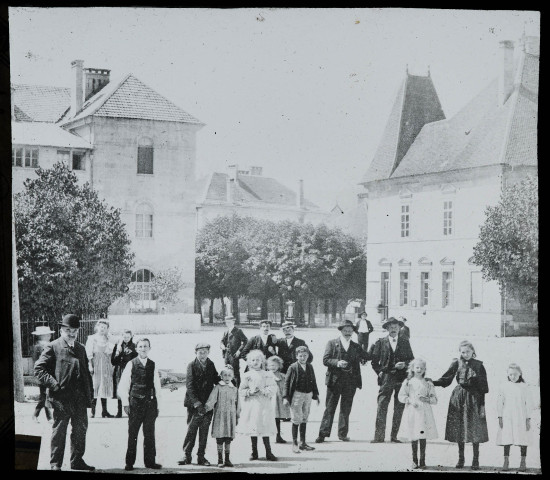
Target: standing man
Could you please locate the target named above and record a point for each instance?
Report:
(265, 341)
(405, 331)
(343, 358)
(364, 328)
(232, 344)
(286, 347)
(390, 358)
(63, 368)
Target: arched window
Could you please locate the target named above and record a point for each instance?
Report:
(144, 221)
(145, 156)
(143, 299)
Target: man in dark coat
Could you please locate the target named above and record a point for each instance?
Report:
(63, 368)
(286, 347)
(232, 344)
(390, 358)
(265, 341)
(364, 329)
(405, 331)
(343, 358)
(201, 378)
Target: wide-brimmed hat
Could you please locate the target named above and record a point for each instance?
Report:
(70, 320)
(42, 330)
(391, 320)
(359, 315)
(347, 323)
(288, 323)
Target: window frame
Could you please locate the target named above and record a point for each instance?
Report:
(447, 286)
(30, 153)
(474, 306)
(142, 226)
(82, 160)
(405, 223)
(425, 287)
(140, 160)
(404, 288)
(448, 224)
(144, 287)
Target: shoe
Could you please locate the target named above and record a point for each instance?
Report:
(344, 439)
(185, 461)
(522, 465)
(118, 415)
(106, 415)
(253, 456)
(202, 461)
(475, 465)
(56, 468)
(269, 456)
(295, 448)
(220, 464)
(305, 446)
(227, 462)
(377, 441)
(280, 439)
(319, 439)
(154, 466)
(414, 466)
(422, 465)
(506, 465)
(129, 468)
(460, 464)
(35, 419)
(394, 440)
(82, 466)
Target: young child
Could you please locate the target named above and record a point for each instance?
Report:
(300, 390)
(139, 390)
(514, 406)
(256, 392)
(282, 410)
(43, 336)
(417, 422)
(224, 400)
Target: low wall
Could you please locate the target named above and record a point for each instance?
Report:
(142, 324)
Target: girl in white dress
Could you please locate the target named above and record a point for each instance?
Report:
(417, 422)
(257, 398)
(514, 406)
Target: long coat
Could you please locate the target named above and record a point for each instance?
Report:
(233, 341)
(466, 415)
(199, 382)
(333, 353)
(380, 357)
(288, 353)
(65, 372)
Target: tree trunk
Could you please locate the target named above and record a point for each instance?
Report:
(235, 308)
(334, 305)
(299, 311)
(310, 317)
(326, 311)
(223, 308)
(282, 308)
(263, 311)
(211, 311)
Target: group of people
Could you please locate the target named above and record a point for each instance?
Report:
(279, 384)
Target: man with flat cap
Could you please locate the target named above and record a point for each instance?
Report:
(286, 347)
(343, 358)
(232, 344)
(63, 368)
(390, 358)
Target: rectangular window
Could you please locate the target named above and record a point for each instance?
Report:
(79, 161)
(17, 157)
(25, 157)
(144, 225)
(405, 220)
(476, 290)
(64, 156)
(424, 289)
(404, 288)
(145, 160)
(448, 218)
(385, 291)
(447, 289)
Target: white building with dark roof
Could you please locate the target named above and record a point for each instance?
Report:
(427, 189)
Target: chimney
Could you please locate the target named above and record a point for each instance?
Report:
(233, 172)
(95, 80)
(256, 171)
(506, 77)
(77, 96)
(300, 194)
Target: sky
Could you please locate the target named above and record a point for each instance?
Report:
(303, 93)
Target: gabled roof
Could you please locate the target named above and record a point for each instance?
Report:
(46, 135)
(131, 98)
(40, 103)
(253, 189)
(416, 104)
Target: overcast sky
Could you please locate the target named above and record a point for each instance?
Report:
(304, 93)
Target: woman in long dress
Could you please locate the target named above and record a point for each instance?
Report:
(99, 350)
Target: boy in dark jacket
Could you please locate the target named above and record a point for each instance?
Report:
(300, 389)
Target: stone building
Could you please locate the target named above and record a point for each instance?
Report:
(427, 188)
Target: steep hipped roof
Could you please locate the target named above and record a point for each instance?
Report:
(131, 98)
(45, 134)
(482, 133)
(416, 104)
(253, 189)
(40, 103)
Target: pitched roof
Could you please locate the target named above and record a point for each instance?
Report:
(131, 98)
(40, 103)
(45, 134)
(253, 189)
(416, 104)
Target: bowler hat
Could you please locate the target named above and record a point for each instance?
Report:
(202, 345)
(391, 320)
(70, 320)
(42, 330)
(347, 323)
(288, 323)
(359, 315)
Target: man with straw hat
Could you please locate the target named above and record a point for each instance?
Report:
(43, 337)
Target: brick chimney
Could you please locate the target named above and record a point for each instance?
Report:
(77, 95)
(300, 194)
(506, 76)
(95, 80)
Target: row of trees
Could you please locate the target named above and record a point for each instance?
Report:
(246, 257)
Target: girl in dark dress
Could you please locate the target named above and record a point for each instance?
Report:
(466, 421)
(124, 351)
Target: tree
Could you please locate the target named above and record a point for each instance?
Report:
(508, 245)
(73, 251)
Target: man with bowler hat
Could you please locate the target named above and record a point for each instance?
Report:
(63, 368)
(364, 329)
(390, 358)
(286, 347)
(342, 358)
(232, 344)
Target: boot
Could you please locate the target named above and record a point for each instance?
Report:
(268, 454)
(278, 438)
(475, 460)
(254, 455)
(220, 454)
(422, 463)
(460, 463)
(414, 446)
(522, 466)
(506, 465)
(94, 403)
(119, 411)
(104, 412)
(227, 462)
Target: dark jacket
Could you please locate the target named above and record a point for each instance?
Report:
(256, 343)
(65, 372)
(369, 326)
(233, 341)
(200, 383)
(333, 353)
(380, 357)
(128, 353)
(288, 353)
(475, 382)
(292, 379)
(405, 332)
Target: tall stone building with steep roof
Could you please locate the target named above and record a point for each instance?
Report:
(427, 189)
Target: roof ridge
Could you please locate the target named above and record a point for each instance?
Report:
(41, 86)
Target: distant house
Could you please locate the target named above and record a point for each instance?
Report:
(427, 189)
